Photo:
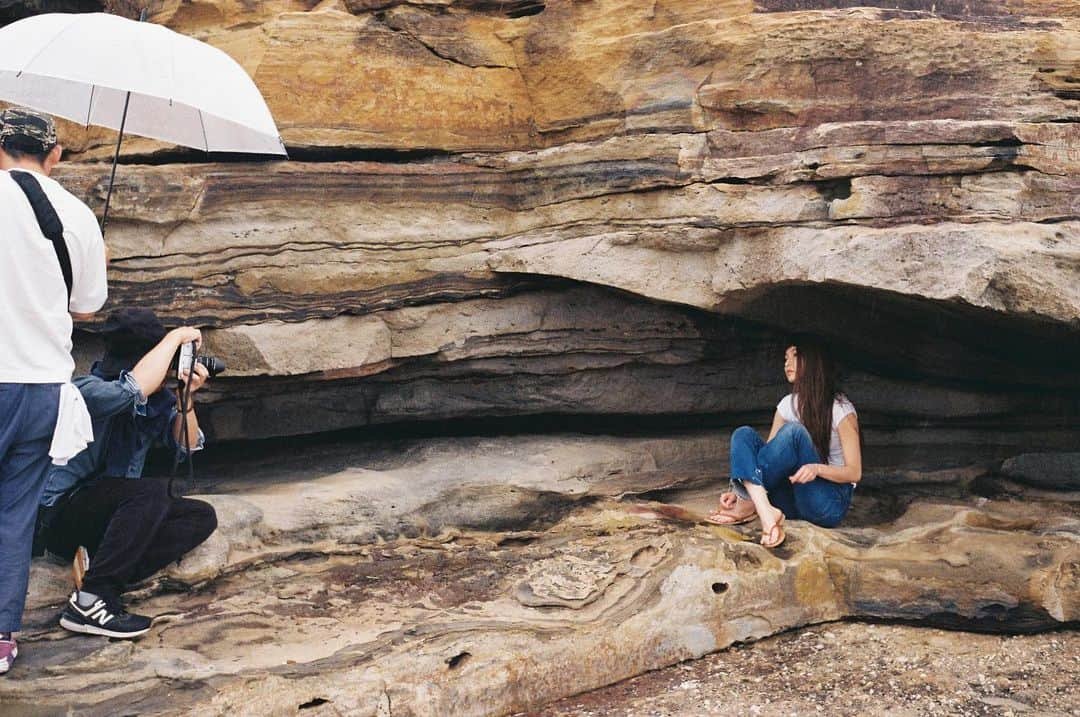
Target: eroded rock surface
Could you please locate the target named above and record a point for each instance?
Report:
(376, 587)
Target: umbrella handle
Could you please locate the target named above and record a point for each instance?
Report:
(116, 155)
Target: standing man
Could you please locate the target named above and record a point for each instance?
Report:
(35, 324)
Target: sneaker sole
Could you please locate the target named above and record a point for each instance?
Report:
(7, 663)
(91, 630)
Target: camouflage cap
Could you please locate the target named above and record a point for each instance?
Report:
(27, 130)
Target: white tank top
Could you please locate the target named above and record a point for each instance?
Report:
(841, 409)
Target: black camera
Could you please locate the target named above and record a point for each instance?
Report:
(188, 359)
(213, 364)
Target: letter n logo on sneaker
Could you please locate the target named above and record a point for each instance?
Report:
(99, 613)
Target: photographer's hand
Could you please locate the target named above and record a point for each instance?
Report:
(202, 375)
(183, 335)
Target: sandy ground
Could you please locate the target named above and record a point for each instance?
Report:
(856, 669)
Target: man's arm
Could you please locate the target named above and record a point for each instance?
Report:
(108, 398)
(152, 368)
(90, 288)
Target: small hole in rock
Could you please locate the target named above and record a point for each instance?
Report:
(457, 659)
(719, 588)
(833, 189)
(313, 703)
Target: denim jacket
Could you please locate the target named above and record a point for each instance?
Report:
(127, 424)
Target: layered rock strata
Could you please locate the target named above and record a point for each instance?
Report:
(900, 181)
(353, 285)
(469, 179)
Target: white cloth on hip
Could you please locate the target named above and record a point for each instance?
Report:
(74, 431)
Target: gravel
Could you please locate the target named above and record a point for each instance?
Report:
(856, 669)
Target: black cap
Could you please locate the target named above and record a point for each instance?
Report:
(27, 130)
(129, 334)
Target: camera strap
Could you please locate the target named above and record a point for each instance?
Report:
(48, 221)
(185, 440)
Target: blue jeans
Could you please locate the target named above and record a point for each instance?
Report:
(769, 465)
(27, 420)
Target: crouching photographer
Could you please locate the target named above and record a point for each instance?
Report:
(131, 526)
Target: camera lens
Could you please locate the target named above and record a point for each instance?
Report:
(213, 364)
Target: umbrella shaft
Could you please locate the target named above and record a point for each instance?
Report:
(116, 155)
(116, 159)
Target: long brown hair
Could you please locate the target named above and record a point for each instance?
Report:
(816, 388)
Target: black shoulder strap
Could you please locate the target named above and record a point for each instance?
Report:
(48, 220)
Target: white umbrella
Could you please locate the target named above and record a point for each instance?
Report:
(136, 77)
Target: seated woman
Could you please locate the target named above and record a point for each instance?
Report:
(784, 476)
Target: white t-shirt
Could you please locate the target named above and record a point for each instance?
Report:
(842, 408)
(34, 319)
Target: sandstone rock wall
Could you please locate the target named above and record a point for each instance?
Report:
(620, 208)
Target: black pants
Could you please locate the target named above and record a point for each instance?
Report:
(131, 527)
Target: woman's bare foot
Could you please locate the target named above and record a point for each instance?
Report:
(772, 518)
(733, 510)
(772, 528)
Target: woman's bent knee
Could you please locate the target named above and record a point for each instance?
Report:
(792, 431)
(743, 434)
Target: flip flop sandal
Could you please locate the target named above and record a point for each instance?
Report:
(714, 518)
(779, 526)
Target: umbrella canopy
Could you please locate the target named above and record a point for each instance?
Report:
(91, 67)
